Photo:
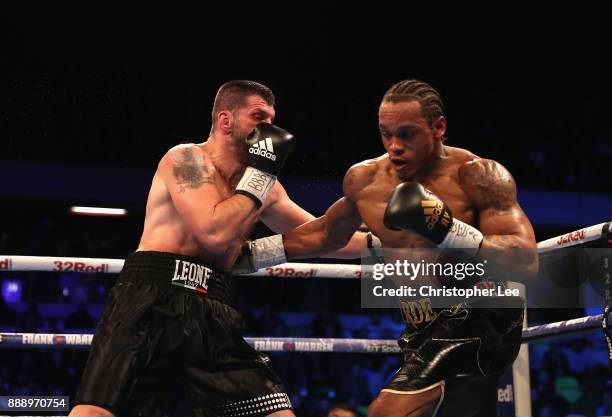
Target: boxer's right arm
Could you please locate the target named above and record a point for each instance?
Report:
(189, 177)
(325, 234)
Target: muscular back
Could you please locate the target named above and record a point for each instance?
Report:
(186, 186)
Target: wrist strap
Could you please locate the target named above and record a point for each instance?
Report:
(462, 236)
(268, 251)
(375, 247)
(373, 241)
(255, 184)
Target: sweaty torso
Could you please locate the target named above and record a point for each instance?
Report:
(166, 231)
(376, 180)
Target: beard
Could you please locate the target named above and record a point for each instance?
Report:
(238, 136)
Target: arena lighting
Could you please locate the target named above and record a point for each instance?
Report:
(98, 211)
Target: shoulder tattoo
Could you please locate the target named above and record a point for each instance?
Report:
(490, 185)
(190, 171)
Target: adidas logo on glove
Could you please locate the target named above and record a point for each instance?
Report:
(432, 209)
(264, 148)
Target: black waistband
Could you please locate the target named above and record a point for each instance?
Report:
(175, 270)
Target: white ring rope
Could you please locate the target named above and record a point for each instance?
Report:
(114, 266)
(287, 270)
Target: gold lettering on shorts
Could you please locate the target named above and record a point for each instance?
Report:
(417, 312)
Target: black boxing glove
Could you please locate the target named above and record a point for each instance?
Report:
(268, 149)
(412, 207)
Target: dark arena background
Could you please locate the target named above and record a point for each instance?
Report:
(91, 99)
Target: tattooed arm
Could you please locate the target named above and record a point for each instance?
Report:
(507, 229)
(190, 179)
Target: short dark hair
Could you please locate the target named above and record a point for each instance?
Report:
(232, 95)
(416, 90)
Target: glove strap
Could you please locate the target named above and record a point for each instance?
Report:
(255, 184)
(268, 251)
(462, 236)
(375, 247)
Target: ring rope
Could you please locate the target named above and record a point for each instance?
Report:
(299, 344)
(286, 270)
(114, 266)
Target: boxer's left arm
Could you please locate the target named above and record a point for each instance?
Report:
(507, 230)
(325, 236)
(322, 236)
(283, 215)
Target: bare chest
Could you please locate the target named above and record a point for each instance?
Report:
(372, 202)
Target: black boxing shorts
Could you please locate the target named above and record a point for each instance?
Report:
(462, 350)
(167, 322)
